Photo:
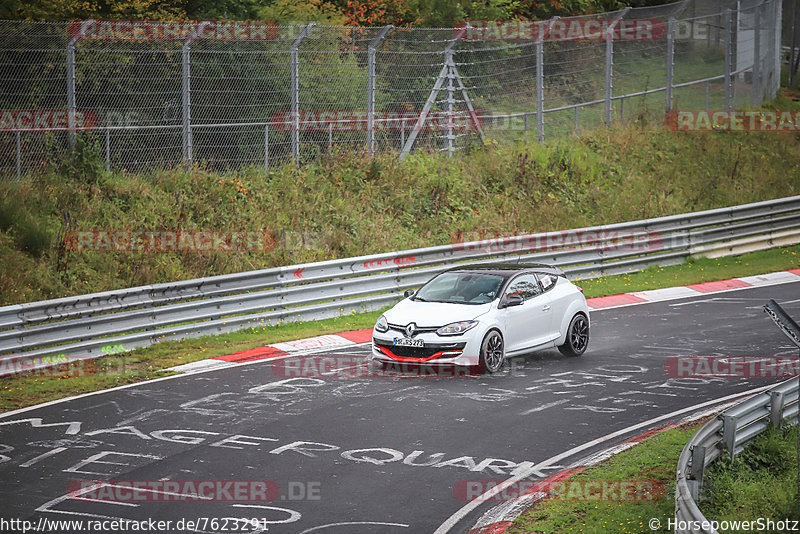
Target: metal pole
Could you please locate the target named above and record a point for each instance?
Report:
(757, 56)
(610, 64)
(19, 155)
(330, 135)
(71, 99)
(622, 109)
(296, 91)
(540, 78)
(448, 61)
(186, 100)
(108, 149)
(266, 147)
(793, 44)
(371, 88)
(402, 132)
(670, 60)
(728, 56)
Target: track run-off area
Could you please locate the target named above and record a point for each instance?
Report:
(329, 443)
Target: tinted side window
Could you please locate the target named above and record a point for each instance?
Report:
(526, 286)
(548, 281)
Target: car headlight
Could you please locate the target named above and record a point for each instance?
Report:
(382, 325)
(454, 329)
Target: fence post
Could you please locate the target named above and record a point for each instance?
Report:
(539, 88)
(757, 56)
(707, 95)
(186, 102)
(793, 43)
(19, 155)
(728, 57)
(448, 61)
(71, 99)
(371, 87)
(540, 78)
(108, 149)
(266, 147)
(610, 64)
(670, 60)
(296, 90)
(576, 119)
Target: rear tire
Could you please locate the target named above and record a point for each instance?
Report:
(577, 336)
(492, 355)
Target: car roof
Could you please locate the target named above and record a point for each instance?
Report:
(507, 269)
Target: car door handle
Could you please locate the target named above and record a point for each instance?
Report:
(546, 307)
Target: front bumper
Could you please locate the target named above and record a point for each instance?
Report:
(437, 350)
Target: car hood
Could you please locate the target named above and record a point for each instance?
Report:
(434, 313)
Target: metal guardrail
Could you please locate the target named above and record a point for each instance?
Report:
(40, 334)
(728, 433)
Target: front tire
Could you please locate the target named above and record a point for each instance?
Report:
(492, 355)
(577, 336)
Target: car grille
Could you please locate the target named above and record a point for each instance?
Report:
(421, 352)
(417, 330)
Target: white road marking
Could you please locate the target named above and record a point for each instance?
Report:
(544, 406)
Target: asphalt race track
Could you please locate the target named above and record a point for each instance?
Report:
(354, 452)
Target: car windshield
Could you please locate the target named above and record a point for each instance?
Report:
(461, 288)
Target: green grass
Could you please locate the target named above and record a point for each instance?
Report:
(655, 459)
(760, 482)
(150, 362)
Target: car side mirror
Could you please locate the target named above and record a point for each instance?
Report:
(409, 293)
(513, 300)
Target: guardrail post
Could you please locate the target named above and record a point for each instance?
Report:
(371, 88)
(71, 98)
(728, 58)
(697, 469)
(757, 56)
(295, 89)
(729, 434)
(186, 102)
(19, 155)
(670, 59)
(776, 408)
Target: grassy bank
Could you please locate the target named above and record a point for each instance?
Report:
(150, 362)
(762, 482)
(347, 205)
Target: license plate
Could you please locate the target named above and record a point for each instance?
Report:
(408, 342)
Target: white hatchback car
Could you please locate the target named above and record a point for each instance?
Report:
(477, 315)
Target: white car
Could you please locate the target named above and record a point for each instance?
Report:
(478, 315)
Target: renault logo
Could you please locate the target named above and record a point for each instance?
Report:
(410, 329)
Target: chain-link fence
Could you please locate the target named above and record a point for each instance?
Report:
(145, 99)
